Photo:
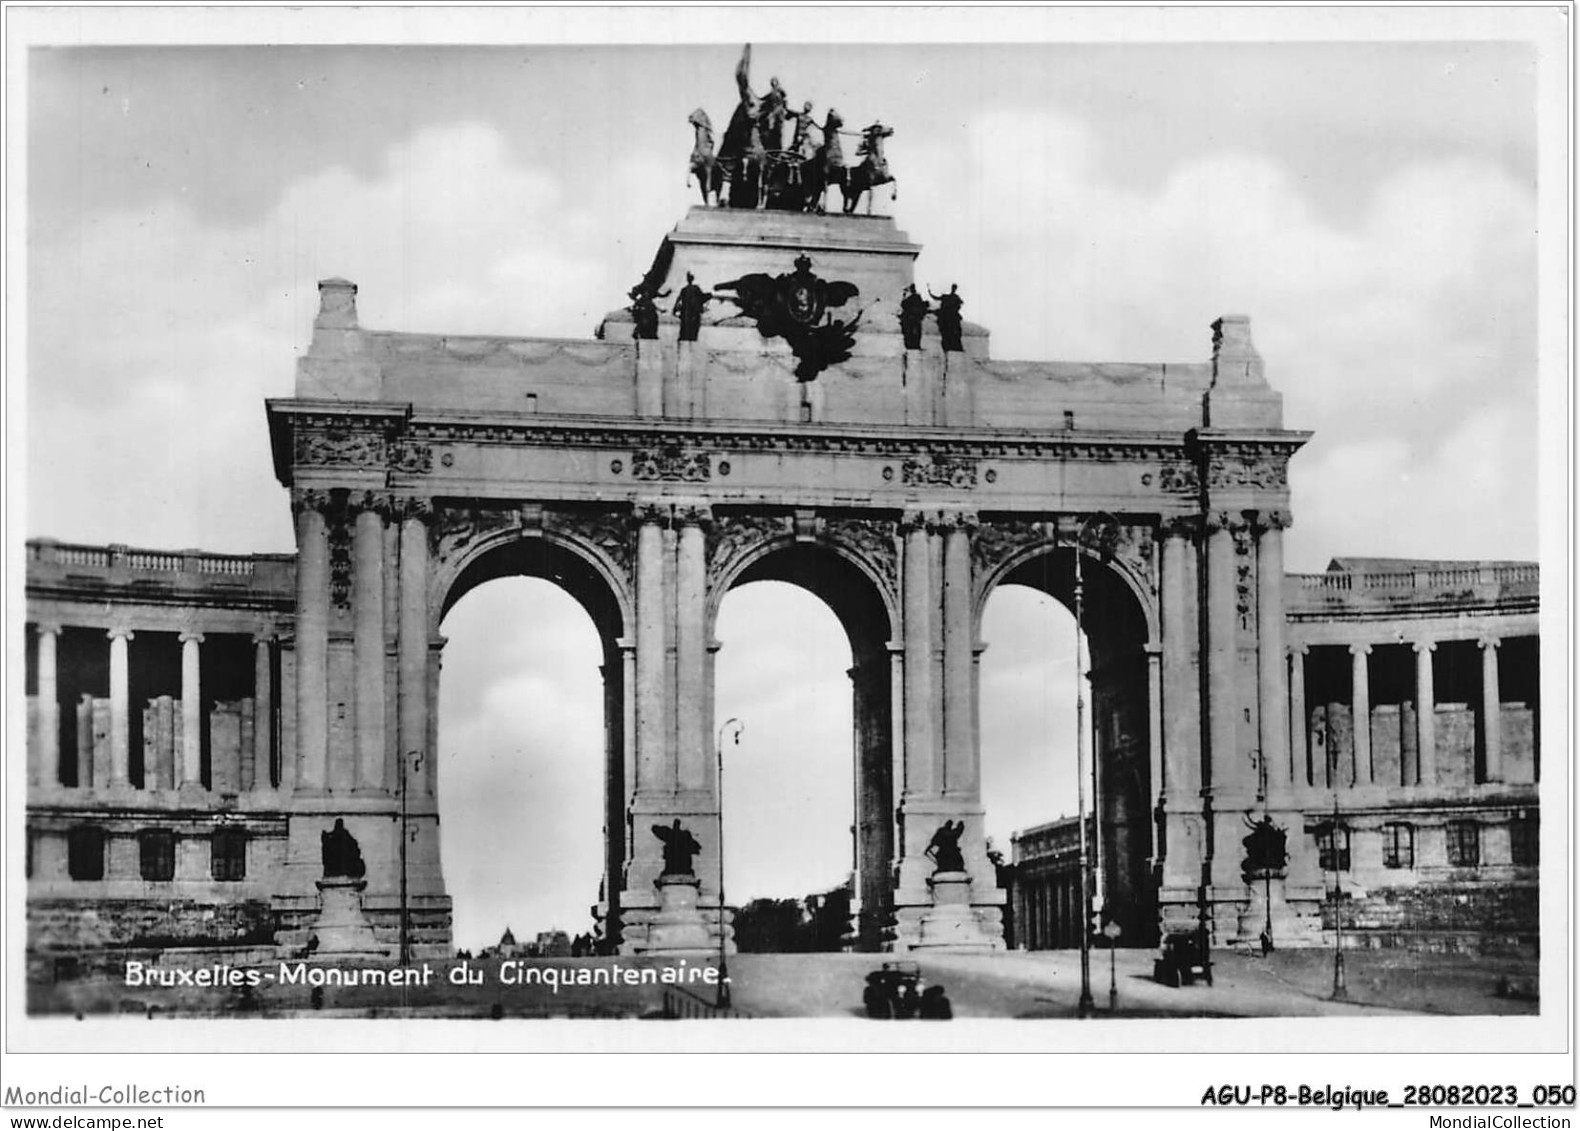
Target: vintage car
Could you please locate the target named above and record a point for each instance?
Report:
(1182, 960)
(893, 991)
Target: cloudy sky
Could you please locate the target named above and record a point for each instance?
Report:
(1371, 205)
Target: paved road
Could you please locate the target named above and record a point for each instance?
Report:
(1046, 984)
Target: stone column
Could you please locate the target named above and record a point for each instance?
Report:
(45, 768)
(1222, 724)
(1299, 724)
(627, 646)
(961, 773)
(1278, 771)
(367, 603)
(191, 711)
(1361, 713)
(412, 650)
(917, 611)
(312, 643)
(1491, 712)
(120, 709)
(1157, 774)
(651, 646)
(1425, 715)
(1181, 692)
(692, 746)
(262, 713)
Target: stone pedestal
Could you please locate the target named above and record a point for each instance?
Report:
(951, 924)
(679, 927)
(1288, 929)
(342, 927)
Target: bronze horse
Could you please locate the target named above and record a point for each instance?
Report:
(704, 165)
(872, 172)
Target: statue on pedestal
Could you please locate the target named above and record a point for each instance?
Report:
(944, 849)
(679, 847)
(342, 857)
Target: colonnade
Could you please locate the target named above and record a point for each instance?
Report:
(47, 766)
(1427, 772)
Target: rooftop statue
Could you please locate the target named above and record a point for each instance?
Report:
(948, 316)
(689, 305)
(762, 173)
(704, 165)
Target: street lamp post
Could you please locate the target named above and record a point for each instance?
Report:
(1340, 990)
(723, 998)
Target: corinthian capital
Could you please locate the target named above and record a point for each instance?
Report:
(1275, 519)
(654, 511)
(694, 514)
(418, 507)
(963, 520)
(306, 499)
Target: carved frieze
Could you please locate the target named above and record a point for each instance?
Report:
(1243, 581)
(924, 451)
(671, 463)
(340, 446)
(410, 458)
(733, 536)
(1247, 466)
(456, 527)
(939, 471)
(1179, 479)
(871, 539)
(339, 527)
(996, 540)
(1132, 546)
(610, 531)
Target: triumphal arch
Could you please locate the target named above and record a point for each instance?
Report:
(800, 422)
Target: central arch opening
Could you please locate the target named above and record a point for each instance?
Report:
(808, 796)
(520, 763)
(530, 735)
(782, 670)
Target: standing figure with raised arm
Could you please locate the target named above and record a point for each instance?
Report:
(948, 316)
